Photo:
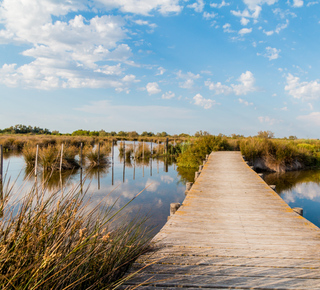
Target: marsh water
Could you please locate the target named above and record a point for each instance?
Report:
(161, 183)
(299, 189)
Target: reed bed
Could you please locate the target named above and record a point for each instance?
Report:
(58, 241)
(50, 157)
(98, 157)
(280, 155)
(18, 142)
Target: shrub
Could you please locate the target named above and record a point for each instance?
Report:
(195, 153)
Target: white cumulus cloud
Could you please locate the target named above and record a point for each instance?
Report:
(188, 79)
(153, 88)
(201, 101)
(253, 3)
(144, 7)
(197, 6)
(168, 95)
(246, 85)
(227, 28)
(77, 53)
(268, 120)
(161, 71)
(219, 88)
(244, 21)
(222, 4)
(272, 53)
(302, 90)
(245, 31)
(297, 3)
(246, 103)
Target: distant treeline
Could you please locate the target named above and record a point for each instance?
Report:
(23, 129)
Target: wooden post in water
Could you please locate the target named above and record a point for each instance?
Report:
(158, 146)
(61, 158)
(124, 170)
(98, 154)
(134, 149)
(112, 177)
(81, 147)
(36, 162)
(98, 179)
(124, 151)
(112, 149)
(134, 169)
(167, 145)
(151, 149)
(143, 150)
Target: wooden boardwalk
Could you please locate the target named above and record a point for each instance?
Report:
(232, 232)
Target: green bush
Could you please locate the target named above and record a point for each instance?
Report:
(194, 153)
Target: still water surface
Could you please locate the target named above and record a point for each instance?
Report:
(163, 183)
(299, 189)
(160, 179)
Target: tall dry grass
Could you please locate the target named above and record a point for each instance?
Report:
(280, 155)
(49, 157)
(58, 241)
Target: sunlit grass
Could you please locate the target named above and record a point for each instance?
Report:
(60, 241)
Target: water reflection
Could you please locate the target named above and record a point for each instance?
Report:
(299, 189)
(117, 182)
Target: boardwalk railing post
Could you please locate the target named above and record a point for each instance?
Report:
(197, 174)
(200, 167)
(174, 207)
(273, 187)
(298, 210)
(188, 187)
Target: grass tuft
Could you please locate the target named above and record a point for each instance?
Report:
(59, 241)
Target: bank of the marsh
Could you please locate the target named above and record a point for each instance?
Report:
(277, 155)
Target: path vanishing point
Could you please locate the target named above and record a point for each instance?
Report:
(232, 232)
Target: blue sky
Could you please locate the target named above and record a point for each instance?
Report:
(222, 66)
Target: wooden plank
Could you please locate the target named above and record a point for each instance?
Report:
(232, 232)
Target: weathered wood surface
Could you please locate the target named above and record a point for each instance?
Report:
(232, 232)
